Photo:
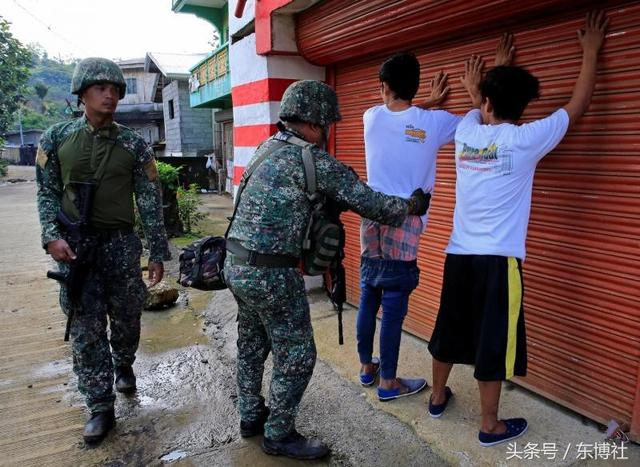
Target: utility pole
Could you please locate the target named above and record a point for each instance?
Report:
(20, 127)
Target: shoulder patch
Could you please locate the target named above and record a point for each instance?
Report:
(151, 169)
(41, 158)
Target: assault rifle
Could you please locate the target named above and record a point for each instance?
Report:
(334, 278)
(82, 242)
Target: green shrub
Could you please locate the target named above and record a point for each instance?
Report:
(188, 204)
(4, 164)
(168, 176)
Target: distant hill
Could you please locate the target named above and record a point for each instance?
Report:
(47, 93)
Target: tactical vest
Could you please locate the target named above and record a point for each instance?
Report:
(81, 155)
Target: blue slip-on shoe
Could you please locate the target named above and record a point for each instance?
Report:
(436, 410)
(367, 379)
(410, 386)
(515, 428)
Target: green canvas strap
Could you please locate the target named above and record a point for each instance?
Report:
(309, 173)
(245, 178)
(310, 177)
(307, 162)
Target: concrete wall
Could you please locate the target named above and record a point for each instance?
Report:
(145, 88)
(257, 83)
(11, 154)
(196, 124)
(29, 136)
(235, 24)
(149, 131)
(172, 125)
(191, 130)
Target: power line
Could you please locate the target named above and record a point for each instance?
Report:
(49, 28)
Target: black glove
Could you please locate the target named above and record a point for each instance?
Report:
(419, 202)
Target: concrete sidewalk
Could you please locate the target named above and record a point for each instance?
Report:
(454, 436)
(183, 412)
(556, 436)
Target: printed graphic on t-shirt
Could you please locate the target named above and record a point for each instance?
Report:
(490, 159)
(414, 135)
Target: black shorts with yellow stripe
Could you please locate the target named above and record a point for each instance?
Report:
(481, 319)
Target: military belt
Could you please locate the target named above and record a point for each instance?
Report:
(243, 257)
(111, 234)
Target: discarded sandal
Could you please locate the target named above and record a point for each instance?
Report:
(515, 427)
(367, 379)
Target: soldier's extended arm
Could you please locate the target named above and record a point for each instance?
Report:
(146, 187)
(50, 188)
(339, 183)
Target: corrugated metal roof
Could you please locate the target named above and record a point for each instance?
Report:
(172, 65)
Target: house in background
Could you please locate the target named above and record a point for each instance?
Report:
(141, 109)
(210, 83)
(15, 139)
(188, 131)
(19, 146)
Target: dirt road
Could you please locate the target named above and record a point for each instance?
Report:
(183, 412)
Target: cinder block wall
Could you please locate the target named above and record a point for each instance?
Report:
(172, 125)
(196, 124)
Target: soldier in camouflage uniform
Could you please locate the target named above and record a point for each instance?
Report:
(73, 151)
(273, 312)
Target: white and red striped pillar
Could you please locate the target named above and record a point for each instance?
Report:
(258, 81)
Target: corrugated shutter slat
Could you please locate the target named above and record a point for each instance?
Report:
(581, 274)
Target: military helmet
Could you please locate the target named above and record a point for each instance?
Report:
(310, 101)
(96, 70)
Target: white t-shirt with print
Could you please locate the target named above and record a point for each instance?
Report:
(401, 148)
(495, 165)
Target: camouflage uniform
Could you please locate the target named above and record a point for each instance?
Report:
(273, 312)
(114, 287)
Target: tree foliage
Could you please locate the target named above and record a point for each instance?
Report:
(48, 98)
(15, 60)
(41, 89)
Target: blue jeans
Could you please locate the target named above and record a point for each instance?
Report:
(388, 283)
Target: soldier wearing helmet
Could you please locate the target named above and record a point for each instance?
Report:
(264, 246)
(93, 149)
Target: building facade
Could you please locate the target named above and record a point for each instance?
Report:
(188, 130)
(582, 302)
(139, 109)
(210, 86)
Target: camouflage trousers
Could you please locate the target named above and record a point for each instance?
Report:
(273, 316)
(113, 289)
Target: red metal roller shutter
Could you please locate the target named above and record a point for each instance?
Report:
(339, 30)
(581, 275)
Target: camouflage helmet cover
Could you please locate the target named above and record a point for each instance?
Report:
(95, 70)
(310, 101)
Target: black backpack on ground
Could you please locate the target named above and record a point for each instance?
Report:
(201, 264)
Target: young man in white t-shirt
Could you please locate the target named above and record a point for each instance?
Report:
(481, 320)
(401, 144)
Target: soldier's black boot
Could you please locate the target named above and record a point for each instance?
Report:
(296, 446)
(254, 427)
(125, 379)
(98, 426)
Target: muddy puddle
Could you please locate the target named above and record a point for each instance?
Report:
(175, 327)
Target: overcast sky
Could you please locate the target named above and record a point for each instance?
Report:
(116, 29)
